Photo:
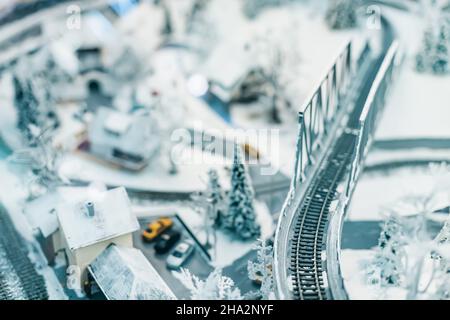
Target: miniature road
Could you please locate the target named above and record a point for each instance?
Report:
(238, 272)
(198, 264)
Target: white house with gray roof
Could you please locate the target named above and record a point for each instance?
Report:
(128, 140)
(91, 222)
(84, 221)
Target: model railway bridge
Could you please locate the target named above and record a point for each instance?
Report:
(336, 128)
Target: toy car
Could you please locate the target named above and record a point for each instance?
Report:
(251, 151)
(166, 241)
(156, 228)
(179, 255)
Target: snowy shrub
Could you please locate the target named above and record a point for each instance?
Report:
(261, 270)
(214, 287)
(341, 14)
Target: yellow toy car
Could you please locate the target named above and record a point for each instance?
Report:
(156, 228)
(251, 151)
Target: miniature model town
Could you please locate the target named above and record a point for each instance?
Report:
(224, 149)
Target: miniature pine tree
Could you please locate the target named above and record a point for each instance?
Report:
(216, 196)
(424, 56)
(241, 216)
(341, 14)
(167, 28)
(387, 266)
(27, 107)
(441, 57)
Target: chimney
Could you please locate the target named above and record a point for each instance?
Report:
(90, 210)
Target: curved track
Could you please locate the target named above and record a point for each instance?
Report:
(306, 250)
(18, 276)
(309, 225)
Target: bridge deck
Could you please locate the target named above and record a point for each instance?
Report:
(309, 226)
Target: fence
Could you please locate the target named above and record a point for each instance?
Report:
(371, 113)
(320, 111)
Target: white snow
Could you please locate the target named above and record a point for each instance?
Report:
(417, 106)
(112, 215)
(352, 266)
(378, 156)
(191, 176)
(375, 193)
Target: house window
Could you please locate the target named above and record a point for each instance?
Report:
(127, 156)
(94, 87)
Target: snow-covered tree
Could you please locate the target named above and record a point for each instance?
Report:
(341, 14)
(424, 56)
(41, 159)
(441, 52)
(202, 203)
(240, 218)
(26, 105)
(272, 80)
(434, 54)
(388, 263)
(261, 269)
(216, 196)
(442, 272)
(214, 287)
(409, 255)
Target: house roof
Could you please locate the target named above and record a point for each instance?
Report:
(41, 213)
(112, 217)
(125, 274)
(131, 133)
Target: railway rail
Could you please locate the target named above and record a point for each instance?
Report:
(18, 276)
(309, 209)
(311, 222)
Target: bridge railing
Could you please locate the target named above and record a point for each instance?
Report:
(320, 110)
(371, 113)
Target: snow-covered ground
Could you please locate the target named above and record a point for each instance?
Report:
(380, 157)
(418, 104)
(417, 107)
(191, 176)
(228, 249)
(376, 192)
(356, 285)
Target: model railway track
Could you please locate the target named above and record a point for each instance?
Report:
(311, 222)
(18, 276)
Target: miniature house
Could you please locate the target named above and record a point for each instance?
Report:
(127, 140)
(123, 273)
(89, 224)
(83, 221)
